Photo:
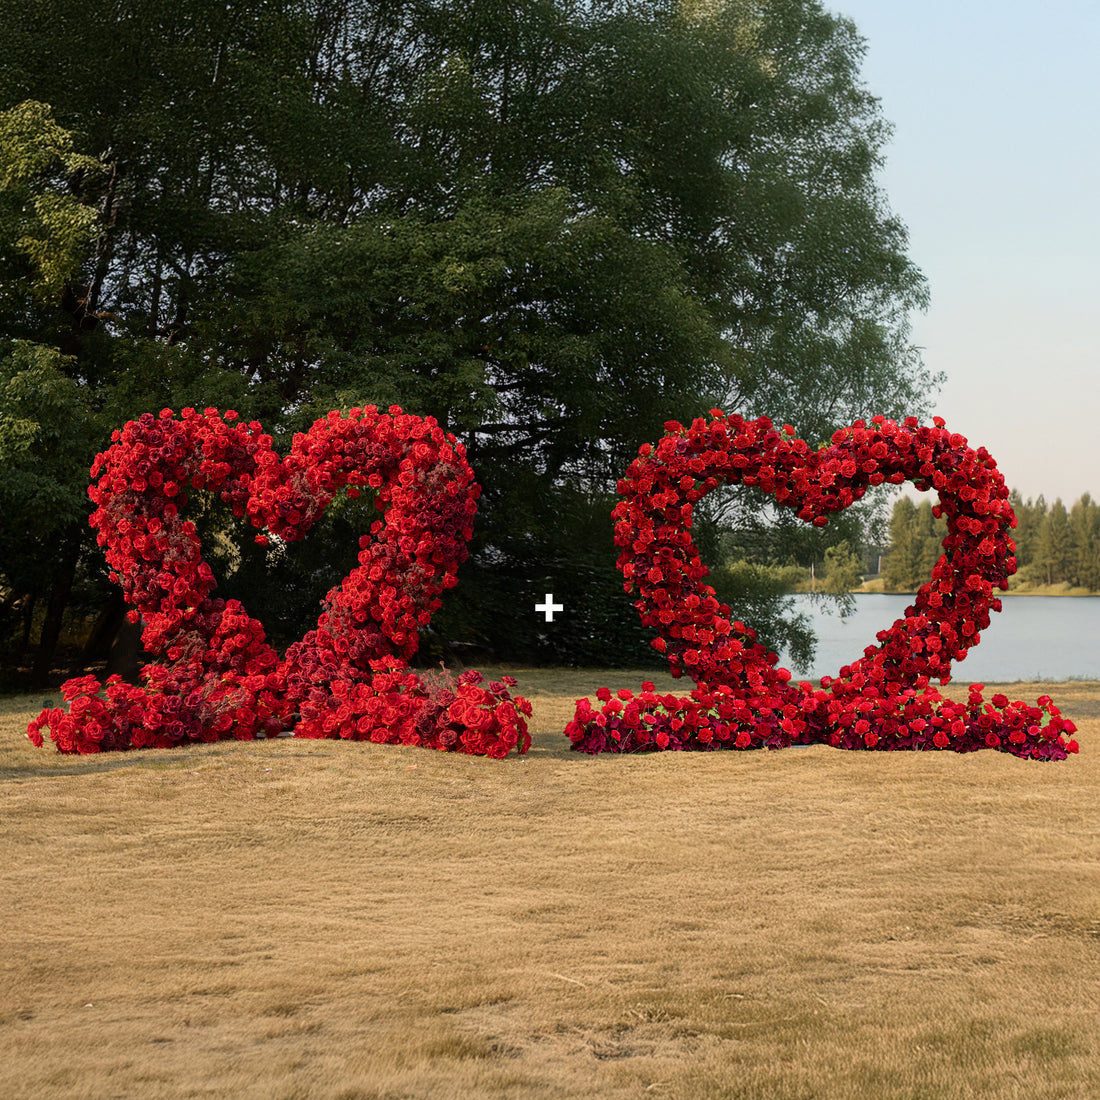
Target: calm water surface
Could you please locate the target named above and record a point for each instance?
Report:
(1033, 638)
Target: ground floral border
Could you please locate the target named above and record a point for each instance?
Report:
(883, 700)
(217, 677)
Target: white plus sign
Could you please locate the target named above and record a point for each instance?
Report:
(549, 607)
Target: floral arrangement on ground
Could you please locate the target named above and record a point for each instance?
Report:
(884, 699)
(216, 676)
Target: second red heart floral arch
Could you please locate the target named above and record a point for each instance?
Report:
(883, 699)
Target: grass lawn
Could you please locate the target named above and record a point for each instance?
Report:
(321, 919)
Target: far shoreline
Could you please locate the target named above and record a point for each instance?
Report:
(875, 588)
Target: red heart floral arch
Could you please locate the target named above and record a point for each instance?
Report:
(882, 700)
(217, 676)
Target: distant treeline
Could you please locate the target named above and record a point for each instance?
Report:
(1053, 545)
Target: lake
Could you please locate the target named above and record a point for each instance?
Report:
(1032, 638)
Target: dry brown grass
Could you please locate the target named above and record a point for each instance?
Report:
(322, 919)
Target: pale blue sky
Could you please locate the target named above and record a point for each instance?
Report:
(994, 167)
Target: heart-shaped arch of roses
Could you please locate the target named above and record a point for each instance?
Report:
(217, 677)
(883, 700)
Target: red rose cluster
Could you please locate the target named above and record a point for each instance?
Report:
(885, 699)
(218, 677)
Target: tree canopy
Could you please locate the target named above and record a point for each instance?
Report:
(551, 225)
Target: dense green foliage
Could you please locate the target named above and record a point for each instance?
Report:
(916, 538)
(551, 225)
(1053, 546)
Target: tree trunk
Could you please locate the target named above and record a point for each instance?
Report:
(106, 628)
(7, 611)
(55, 610)
(29, 601)
(126, 656)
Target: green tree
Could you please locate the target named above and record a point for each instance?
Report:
(45, 232)
(554, 226)
(931, 532)
(1054, 553)
(916, 545)
(46, 433)
(843, 569)
(1029, 518)
(47, 429)
(902, 562)
(1084, 533)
